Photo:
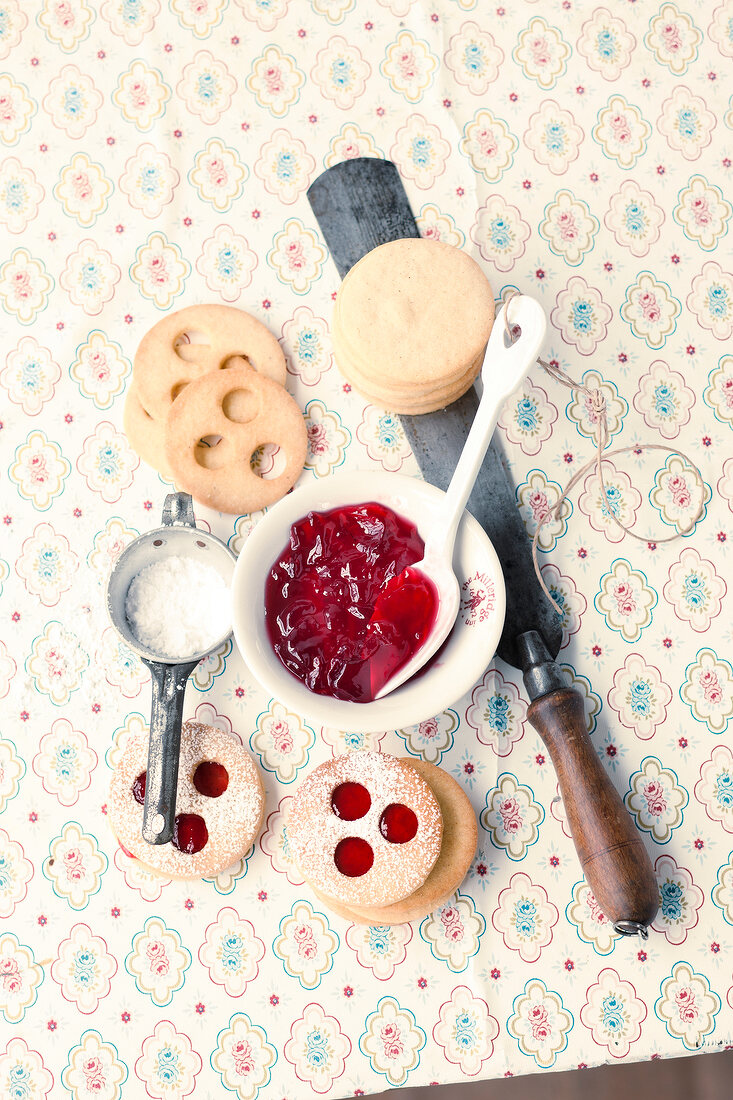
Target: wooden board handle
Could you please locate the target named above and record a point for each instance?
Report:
(611, 852)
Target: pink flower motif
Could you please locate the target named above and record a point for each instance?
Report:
(596, 912)
(273, 80)
(139, 95)
(74, 865)
(685, 1000)
(157, 269)
(680, 493)
(10, 974)
(81, 185)
(281, 737)
(565, 222)
(486, 141)
(22, 287)
(621, 129)
(540, 51)
(295, 254)
(649, 307)
(624, 595)
(710, 684)
(38, 469)
(407, 65)
(701, 210)
(317, 438)
(307, 946)
(217, 172)
(538, 503)
(511, 817)
(428, 729)
(159, 962)
(539, 1023)
(242, 1055)
(670, 33)
(7, 110)
(654, 795)
(450, 918)
(393, 1045)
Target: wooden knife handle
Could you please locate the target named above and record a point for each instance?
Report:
(611, 852)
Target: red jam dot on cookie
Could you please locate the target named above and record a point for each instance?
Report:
(189, 833)
(353, 856)
(398, 823)
(138, 787)
(350, 801)
(211, 779)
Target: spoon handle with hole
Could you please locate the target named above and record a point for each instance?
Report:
(169, 688)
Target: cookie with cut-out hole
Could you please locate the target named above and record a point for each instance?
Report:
(215, 426)
(191, 342)
(145, 433)
(220, 804)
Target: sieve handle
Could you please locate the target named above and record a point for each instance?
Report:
(169, 687)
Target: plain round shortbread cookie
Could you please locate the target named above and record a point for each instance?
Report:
(412, 313)
(232, 820)
(460, 836)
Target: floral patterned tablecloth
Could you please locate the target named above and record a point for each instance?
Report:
(156, 154)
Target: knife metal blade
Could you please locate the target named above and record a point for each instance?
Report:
(361, 204)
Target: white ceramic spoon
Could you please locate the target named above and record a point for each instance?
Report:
(504, 367)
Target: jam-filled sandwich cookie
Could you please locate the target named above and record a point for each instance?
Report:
(220, 804)
(380, 840)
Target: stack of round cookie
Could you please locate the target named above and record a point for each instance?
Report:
(410, 324)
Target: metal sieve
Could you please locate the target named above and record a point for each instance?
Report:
(178, 536)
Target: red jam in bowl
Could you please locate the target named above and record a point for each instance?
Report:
(342, 610)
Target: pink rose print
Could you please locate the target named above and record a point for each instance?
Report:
(671, 37)
(307, 946)
(710, 684)
(539, 1023)
(649, 307)
(74, 865)
(565, 222)
(317, 437)
(453, 925)
(539, 505)
(393, 1045)
(511, 817)
(159, 962)
(624, 596)
(10, 975)
(685, 1000)
(620, 127)
(655, 797)
(540, 51)
(282, 738)
(243, 1060)
(93, 1076)
(596, 912)
(273, 80)
(680, 493)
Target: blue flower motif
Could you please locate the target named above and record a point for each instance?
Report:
(31, 375)
(341, 72)
(473, 58)
(498, 708)
(687, 123)
(207, 87)
(724, 789)
(636, 219)
(6, 873)
(227, 263)
(65, 765)
(612, 1009)
(641, 697)
(665, 402)
(671, 900)
(694, 586)
(582, 315)
(47, 564)
(308, 345)
(108, 461)
(379, 937)
(167, 1066)
(420, 151)
(316, 1047)
(525, 917)
(150, 180)
(15, 195)
(606, 45)
(231, 952)
(718, 301)
(388, 431)
(286, 164)
(611, 499)
(73, 101)
(89, 276)
(85, 963)
(526, 415)
(465, 1033)
(555, 137)
(500, 232)
(21, 1085)
(132, 11)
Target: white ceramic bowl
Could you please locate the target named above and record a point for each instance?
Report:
(454, 670)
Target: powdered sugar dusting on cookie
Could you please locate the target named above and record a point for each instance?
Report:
(232, 820)
(314, 830)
